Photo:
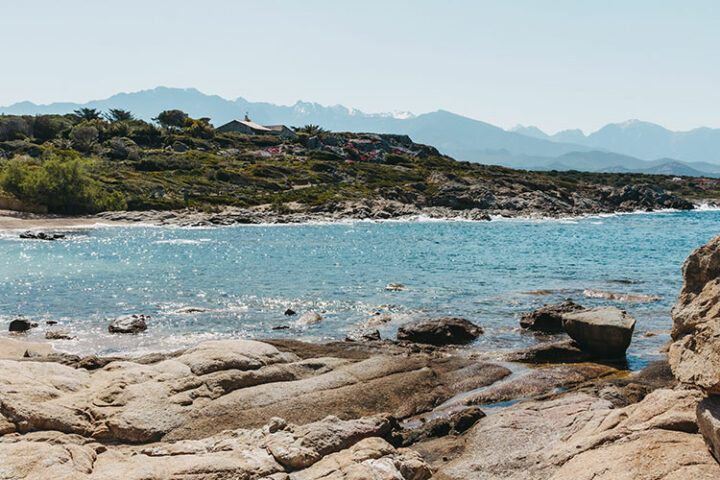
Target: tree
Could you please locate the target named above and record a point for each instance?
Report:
(87, 113)
(310, 129)
(171, 118)
(199, 128)
(118, 115)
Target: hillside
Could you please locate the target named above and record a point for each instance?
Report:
(463, 138)
(72, 164)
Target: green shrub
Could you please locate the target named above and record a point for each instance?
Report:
(61, 184)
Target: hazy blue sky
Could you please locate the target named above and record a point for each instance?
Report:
(555, 64)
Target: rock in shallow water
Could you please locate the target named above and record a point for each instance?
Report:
(440, 331)
(548, 319)
(621, 297)
(129, 324)
(394, 286)
(308, 318)
(605, 331)
(21, 325)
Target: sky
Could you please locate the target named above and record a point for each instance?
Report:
(554, 64)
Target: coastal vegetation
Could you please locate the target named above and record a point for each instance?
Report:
(90, 161)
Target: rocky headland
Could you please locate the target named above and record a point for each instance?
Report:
(419, 407)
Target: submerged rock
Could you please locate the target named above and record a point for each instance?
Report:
(548, 319)
(440, 331)
(605, 331)
(21, 325)
(622, 297)
(309, 318)
(378, 319)
(129, 324)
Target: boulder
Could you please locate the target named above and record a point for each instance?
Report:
(708, 421)
(440, 331)
(696, 321)
(363, 335)
(604, 331)
(129, 324)
(21, 325)
(548, 319)
(308, 318)
(290, 312)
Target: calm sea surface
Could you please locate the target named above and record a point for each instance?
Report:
(246, 276)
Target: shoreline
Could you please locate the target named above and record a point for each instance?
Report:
(13, 221)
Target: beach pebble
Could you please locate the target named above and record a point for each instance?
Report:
(129, 324)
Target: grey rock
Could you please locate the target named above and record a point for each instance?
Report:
(440, 331)
(129, 324)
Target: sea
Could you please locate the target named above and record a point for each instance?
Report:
(200, 284)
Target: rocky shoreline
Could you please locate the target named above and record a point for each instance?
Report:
(533, 204)
(417, 408)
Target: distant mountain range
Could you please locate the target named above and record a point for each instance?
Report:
(632, 146)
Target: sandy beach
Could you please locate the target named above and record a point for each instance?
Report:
(11, 220)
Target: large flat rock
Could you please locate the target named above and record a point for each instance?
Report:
(579, 435)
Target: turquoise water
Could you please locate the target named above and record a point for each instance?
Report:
(246, 276)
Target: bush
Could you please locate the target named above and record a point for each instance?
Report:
(61, 184)
(15, 128)
(83, 137)
(49, 127)
(145, 135)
